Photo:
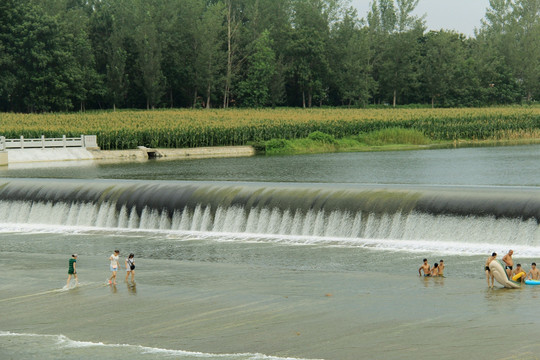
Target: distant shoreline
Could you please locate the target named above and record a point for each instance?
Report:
(143, 153)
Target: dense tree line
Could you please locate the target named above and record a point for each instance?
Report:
(64, 55)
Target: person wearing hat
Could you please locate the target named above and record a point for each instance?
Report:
(130, 267)
(72, 270)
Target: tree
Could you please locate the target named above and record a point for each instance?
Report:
(46, 69)
(117, 79)
(209, 51)
(512, 30)
(274, 17)
(12, 13)
(88, 84)
(109, 25)
(443, 54)
(309, 45)
(177, 28)
(398, 33)
(352, 61)
(234, 16)
(255, 89)
(527, 32)
(148, 47)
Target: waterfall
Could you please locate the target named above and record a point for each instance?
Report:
(480, 215)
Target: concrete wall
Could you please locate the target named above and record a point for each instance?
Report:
(140, 154)
(203, 152)
(61, 154)
(3, 158)
(206, 152)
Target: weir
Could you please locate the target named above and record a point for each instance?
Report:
(479, 214)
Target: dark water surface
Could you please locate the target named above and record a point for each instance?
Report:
(516, 165)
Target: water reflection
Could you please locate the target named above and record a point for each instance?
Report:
(432, 281)
(132, 288)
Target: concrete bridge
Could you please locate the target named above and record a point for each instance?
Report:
(86, 142)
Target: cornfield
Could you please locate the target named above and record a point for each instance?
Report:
(193, 128)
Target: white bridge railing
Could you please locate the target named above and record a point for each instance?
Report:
(85, 141)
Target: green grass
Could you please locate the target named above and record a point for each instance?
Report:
(319, 142)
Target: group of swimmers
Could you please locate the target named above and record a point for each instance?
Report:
(114, 267)
(436, 270)
(517, 274)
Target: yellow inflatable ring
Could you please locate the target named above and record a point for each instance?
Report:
(518, 276)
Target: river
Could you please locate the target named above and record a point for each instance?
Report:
(287, 257)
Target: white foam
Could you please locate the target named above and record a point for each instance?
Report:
(410, 232)
(64, 342)
(441, 245)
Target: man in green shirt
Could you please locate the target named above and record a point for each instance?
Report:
(72, 270)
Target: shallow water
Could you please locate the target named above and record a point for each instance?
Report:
(211, 295)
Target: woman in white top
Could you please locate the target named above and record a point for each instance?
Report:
(130, 267)
(115, 266)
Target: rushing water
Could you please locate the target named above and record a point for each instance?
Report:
(301, 257)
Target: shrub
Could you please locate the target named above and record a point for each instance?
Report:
(322, 137)
(275, 144)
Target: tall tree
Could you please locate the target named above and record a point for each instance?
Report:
(399, 33)
(210, 55)
(88, 82)
(255, 89)
(274, 17)
(352, 60)
(443, 55)
(46, 68)
(512, 30)
(527, 32)
(12, 13)
(148, 46)
(177, 29)
(309, 45)
(234, 15)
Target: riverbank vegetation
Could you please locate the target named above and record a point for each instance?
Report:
(319, 142)
(267, 129)
(66, 55)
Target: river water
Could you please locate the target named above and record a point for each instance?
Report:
(292, 257)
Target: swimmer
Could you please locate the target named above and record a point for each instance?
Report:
(425, 267)
(435, 270)
(441, 268)
(534, 273)
(509, 263)
(519, 274)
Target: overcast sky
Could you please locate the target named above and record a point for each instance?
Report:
(460, 15)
